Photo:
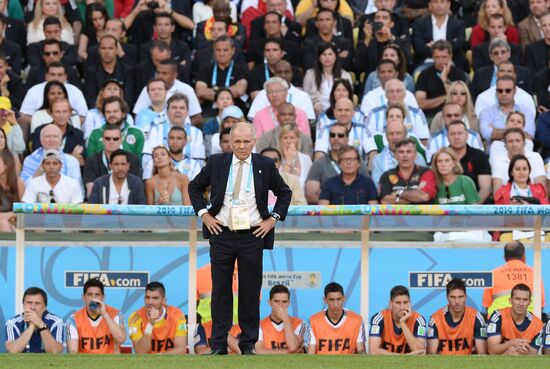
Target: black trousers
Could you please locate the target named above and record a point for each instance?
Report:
(247, 249)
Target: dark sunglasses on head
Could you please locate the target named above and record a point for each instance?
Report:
(339, 135)
(504, 90)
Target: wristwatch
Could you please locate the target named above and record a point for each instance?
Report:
(43, 328)
(276, 216)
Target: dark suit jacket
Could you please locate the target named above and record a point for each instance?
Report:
(483, 76)
(542, 81)
(536, 56)
(294, 29)
(266, 177)
(423, 33)
(16, 32)
(135, 185)
(481, 58)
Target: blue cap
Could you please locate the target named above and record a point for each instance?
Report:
(233, 112)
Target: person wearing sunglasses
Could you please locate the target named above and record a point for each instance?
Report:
(492, 120)
(458, 93)
(52, 186)
(452, 187)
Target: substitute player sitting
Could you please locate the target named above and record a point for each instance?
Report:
(514, 330)
(398, 329)
(280, 333)
(456, 329)
(158, 328)
(97, 328)
(336, 330)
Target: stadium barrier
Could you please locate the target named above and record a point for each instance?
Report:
(363, 218)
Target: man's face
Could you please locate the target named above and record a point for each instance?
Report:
(107, 50)
(505, 92)
(218, 29)
(441, 59)
(499, 54)
(111, 89)
(120, 167)
(338, 137)
(457, 301)
(272, 155)
(276, 94)
(538, 7)
(335, 302)
(92, 294)
(515, 144)
(225, 143)
(56, 74)
(223, 52)
(349, 162)
(158, 55)
(52, 53)
(273, 53)
(458, 136)
(385, 4)
(50, 138)
(400, 306)
(281, 299)
(167, 73)
(496, 27)
(114, 28)
(176, 142)
(395, 92)
(451, 113)
(325, 23)
(177, 112)
(286, 114)
(386, 72)
(34, 303)
(157, 92)
(111, 139)
(520, 302)
(53, 31)
(284, 70)
(506, 69)
(221, 11)
(515, 121)
(406, 155)
(51, 167)
(343, 111)
(164, 28)
(242, 142)
(113, 113)
(278, 6)
(545, 26)
(384, 18)
(439, 8)
(395, 132)
(272, 26)
(154, 299)
(61, 113)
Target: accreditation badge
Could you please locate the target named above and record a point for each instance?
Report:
(239, 217)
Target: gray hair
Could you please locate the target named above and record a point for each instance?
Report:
(274, 80)
(497, 42)
(248, 125)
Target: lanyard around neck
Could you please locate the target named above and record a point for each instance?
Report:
(227, 77)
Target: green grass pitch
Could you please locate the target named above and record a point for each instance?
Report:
(39, 361)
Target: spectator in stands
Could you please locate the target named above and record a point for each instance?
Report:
(222, 72)
(99, 164)
(50, 139)
(542, 134)
(344, 113)
(42, 10)
(108, 67)
(221, 12)
(202, 11)
(35, 329)
(386, 70)
(160, 321)
(115, 111)
(433, 83)
(530, 27)
(451, 112)
(343, 27)
(95, 19)
(15, 28)
(293, 160)
(384, 145)
(13, 135)
(349, 187)
(415, 121)
(515, 119)
(313, 47)
(453, 188)
(489, 96)
(535, 52)
(520, 190)
(457, 317)
(53, 91)
(265, 119)
(4, 141)
(295, 96)
(10, 49)
(458, 93)
(231, 115)
(223, 99)
(273, 27)
(439, 24)
(51, 53)
(126, 52)
(290, 29)
(398, 329)
(119, 186)
(488, 8)
(155, 113)
(410, 183)
(292, 180)
(492, 120)
(486, 76)
(225, 140)
(307, 9)
(167, 186)
(514, 330)
(94, 118)
(514, 141)
(11, 189)
(52, 29)
(285, 115)
(11, 85)
(280, 333)
(394, 53)
(52, 186)
(400, 26)
(147, 69)
(345, 326)
(97, 328)
(340, 89)
(73, 138)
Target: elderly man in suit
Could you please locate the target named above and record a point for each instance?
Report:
(239, 226)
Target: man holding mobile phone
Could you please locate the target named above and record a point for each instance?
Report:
(97, 328)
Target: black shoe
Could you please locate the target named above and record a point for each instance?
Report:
(248, 351)
(217, 352)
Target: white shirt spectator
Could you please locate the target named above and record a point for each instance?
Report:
(489, 97)
(498, 148)
(70, 166)
(144, 101)
(358, 138)
(66, 191)
(35, 97)
(415, 122)
(500, 164)
(295, 96)
(377, 97)
(114, 196)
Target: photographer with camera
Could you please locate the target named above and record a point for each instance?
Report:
(97, 328)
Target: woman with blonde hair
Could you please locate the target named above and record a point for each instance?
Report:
(487, 9)
(11, 190)
(452, 187)
(294, 162)
(458, 93)
(44, 9)
(167, 186)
